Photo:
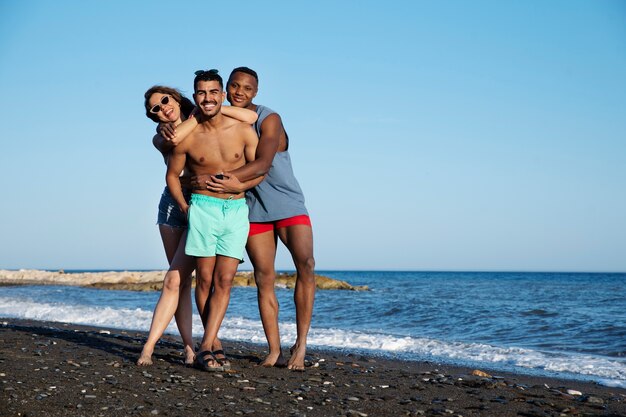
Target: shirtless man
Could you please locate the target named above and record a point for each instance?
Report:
(276, 211)
(218, 222)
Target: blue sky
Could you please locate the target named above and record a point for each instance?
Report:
(441, 135)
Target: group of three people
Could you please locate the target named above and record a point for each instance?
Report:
(214, 159)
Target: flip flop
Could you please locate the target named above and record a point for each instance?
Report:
(222, 361)
(202, 363)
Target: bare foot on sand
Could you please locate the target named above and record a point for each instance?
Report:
(296, 362)
(145, 359)
(190, 356)
(274, 359)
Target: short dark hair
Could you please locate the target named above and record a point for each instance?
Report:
(186, 106)
(245, 70)
(210, 75)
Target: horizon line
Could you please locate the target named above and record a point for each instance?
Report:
(503, 271)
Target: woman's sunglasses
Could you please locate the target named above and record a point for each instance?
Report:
(157, 107)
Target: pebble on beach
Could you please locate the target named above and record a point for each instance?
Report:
(54, 369)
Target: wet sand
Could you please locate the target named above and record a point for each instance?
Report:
(55, 369)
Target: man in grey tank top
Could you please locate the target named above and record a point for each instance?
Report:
(277, 210)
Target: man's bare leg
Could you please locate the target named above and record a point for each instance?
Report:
(180, 270)
(204, 290)
(262, 252)
(223, 275)
(299, 240)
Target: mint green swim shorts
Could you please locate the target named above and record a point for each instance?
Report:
(217, 227)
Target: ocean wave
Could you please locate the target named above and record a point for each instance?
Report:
(540, 312)
(424, 348)
(604, 370)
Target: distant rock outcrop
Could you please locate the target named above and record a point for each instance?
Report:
(146, 280)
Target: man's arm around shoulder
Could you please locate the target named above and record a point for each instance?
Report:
(271, 130)
(251, 143)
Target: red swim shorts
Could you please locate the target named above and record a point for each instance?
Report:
(257, 228)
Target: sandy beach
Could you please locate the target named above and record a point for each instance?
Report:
(56, 369)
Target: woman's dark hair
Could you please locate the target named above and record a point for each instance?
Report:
(186, 105)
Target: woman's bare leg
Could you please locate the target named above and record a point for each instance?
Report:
(180, 270)
(175, 286)
(183, 316)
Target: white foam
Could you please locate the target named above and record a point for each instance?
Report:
(605, 370)
(77, 314)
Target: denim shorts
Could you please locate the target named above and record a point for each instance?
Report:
(169, 212)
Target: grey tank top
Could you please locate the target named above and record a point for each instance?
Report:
(279, 195)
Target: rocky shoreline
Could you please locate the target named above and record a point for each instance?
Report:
(146, 280)
(56, 369)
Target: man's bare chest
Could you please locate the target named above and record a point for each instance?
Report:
(211, 151)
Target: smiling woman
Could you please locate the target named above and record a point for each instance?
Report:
(168, 107)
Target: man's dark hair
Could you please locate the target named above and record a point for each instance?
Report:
(210, 75)
(245, 70)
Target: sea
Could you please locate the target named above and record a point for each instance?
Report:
(566, 325)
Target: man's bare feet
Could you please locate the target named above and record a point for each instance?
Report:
(221, 358)
(207, 362)
(296, 362)
(145, 359)
(218, 353)
(274, 359)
